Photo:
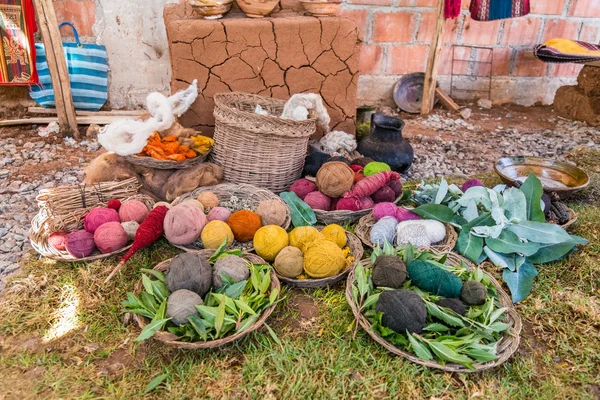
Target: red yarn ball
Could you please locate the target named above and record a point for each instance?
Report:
(114, 204)
(334, 202)
(80, 243)
(110, 237)
(385, 194)
(349, 204)
(58, 240)
(99, 216)
(366, 203)
(302, 187)
(396, 186)
(356, 168)
(359, 176)
(318, 201)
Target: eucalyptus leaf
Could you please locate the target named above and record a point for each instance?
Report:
(435, 211)
(502, 260)
(442, 191)
(515, 204)
(551, 252)
(470, 212)
(469, 245)
(302, 214)
(150, 329)
(532, 189)
(487, 231)
(198, 324)
(508, 243)
(485, 219)
(520, 281)
(543, 232)
(420, 350)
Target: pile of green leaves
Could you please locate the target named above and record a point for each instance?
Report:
(437, 193)
(448, 337)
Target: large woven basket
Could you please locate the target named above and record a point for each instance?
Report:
(45, 223)
(172, 340)
(363, 231)
(262, 150)
(356, 250)
(506, 347)
(342, 217)
(151, 162)
(224, 192)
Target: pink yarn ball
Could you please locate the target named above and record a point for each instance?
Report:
(318, 201)
(110, 237)
(384, 210)
(385, 194)
(302, 187)
(349, 204)
(366, 203)
(80, 243)
(99, 216)
(470, 183)
(58, 240)
(402, 214)
(219, 214)
(133, 210)
(183, 224)
(396, 186)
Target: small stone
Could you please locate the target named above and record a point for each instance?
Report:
(484, 103)
(466, 113)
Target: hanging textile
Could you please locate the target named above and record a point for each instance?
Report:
(567, 51)
(490, 10)
(451, 8)
(17, 50)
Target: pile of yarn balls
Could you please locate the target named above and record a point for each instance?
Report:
(305, 252)
(204, 219)
(334, 178)
(106, 229)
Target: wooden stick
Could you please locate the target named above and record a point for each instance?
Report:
(446, 100)
(100, 120)
(432, 61)
(125, 113)
(114, 271)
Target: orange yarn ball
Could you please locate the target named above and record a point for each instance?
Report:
(244, 225)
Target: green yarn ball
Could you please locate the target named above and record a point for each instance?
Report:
(374, 167)
(431, 278)
(473, 293)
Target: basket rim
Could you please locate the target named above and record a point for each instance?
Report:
(573, 217)
(508, 344)
(337, 215)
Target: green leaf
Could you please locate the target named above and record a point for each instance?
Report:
(160, 290)
(484, 219)
(161, 313)
(273, 335)
(273, 296)
(551, 252)
(361, 280)
(508, 243)
(148, 302)
(498, 326)
(520, 281)
(155, 383)
(302, 214)
(436, 327)
(265, 283)
(220, 317)
(218, 252)
(510, 261)
(543, 232)
(242, 305)
(481, 356)
(198, 326)
(446, 353)
(515, 204)
(370, 301)
(420, 350)
(234, 291)
(147, 284)
(248, 323)
(156, 273)
(469, 245)
(532, 189)
(442, 192)
(444, 315)
(150, 329)
(435, 211)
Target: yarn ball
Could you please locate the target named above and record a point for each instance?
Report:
(110, 237)
(244, 224)
(356, 168)
(289, 262)
(384, 231)
(233, 266)
(359, 176)
(80, 243)
(362, 161)
(471, 183)
(215, 233)
(162, 203)
(219, 214)
(374, 167)
(318, 201)
(385, 209)
(323, 259)
(272, 212)
(403, 310)
(194, 203)
(434, 230)
(336, 234)
(396, 186)
(413, 234)
(183, 224)
(335, 178)
(473, 293)
(269, 240)
(384, 195)
(431, 278)
(340, 159)
(190, 271)
(402, 214)
(302, 187)
(208, 199)
(389, 271)
(454, 304)
(366, 203)
(98, 216)
(181, 304)
(302, 236)
(131, 228)
(133, 210)
(58, 240)
(114, 204)
(348, 204)
(313, 162)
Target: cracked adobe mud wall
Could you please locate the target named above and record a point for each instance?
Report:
(274, 57)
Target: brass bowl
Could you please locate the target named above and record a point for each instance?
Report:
(321, 8)
(211, 9)
(562, 178)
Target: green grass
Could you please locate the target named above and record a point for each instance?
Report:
(321, 355)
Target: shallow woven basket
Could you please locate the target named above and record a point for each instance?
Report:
(356, 250)
(363, 231)
(44, 223)
(572, 218)
(152, 162)
(224, 191)
(506, 346)
(171, 340)
(262, 150)
(342, 217)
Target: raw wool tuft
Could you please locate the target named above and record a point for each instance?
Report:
(186, 180)
(431, 278)
(215, 233)
(403, 310)
(308, 101)
(435, 230)
(272, 212)
(389, 271)
(208, 200)
(109, 167)
(302, 236)
(190, 271)
(233, 266)
(473, 293)
(335, 178)
(269, 241)
(154, 180)
(384, 231)
(244, 224)
(454, 304)
(323, 259)
(183, 224)
(336, 234)
(335, 141)
(131, 228)
(289, 262)
(181, 304)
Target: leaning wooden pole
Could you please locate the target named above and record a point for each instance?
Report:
(433, 60)
(57, 66)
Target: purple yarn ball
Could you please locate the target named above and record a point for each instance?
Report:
(470, 183)
(385, 194)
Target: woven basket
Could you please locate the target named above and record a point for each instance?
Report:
(224, 192)
(363, 231)
(266, 151)
(151, 162)
(341, 217)
(506, 346)
(572, 218)
(171, 340)
(45, 223)
(356, 250)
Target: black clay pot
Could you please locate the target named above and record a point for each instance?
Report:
(385, 143)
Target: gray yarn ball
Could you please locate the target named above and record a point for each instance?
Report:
(473, 293)
(389, 271)
(403, 310)
(454, 304)
(233, 266)
(190, 271)
(181, 304)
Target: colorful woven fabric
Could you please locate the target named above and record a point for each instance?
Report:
(490, 10)
(17, 51)
(451, 8)
(567, 51)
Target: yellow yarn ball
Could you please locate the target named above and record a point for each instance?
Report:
(269, 240)
(323, 259)
(304, 235)
(289, 262)
(215, 233)
(336, 234)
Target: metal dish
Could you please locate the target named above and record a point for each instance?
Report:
(408, 92)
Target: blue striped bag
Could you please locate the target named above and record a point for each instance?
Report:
(88, 75)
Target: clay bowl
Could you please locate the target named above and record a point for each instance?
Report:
(211, 9)
(321, 8)
(562, 178)
(257, 8)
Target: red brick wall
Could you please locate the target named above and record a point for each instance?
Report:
(81, 13)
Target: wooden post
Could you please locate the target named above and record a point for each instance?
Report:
(432, 61)
(57, 66)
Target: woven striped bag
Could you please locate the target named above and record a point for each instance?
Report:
(88, 75)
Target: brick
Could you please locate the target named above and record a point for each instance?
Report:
(416, 3)
(394, 27)
(501, 62)
(589, 33)
(406, 59)
(560, 28)
(564, 70)
(81, 13)
(585, 8)
(480, 33)
(427, 28)
(371, 2)
(359, 17)
(527, 65)
(460, 67)
(521, 31)
(549, 7)
(371, 57)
